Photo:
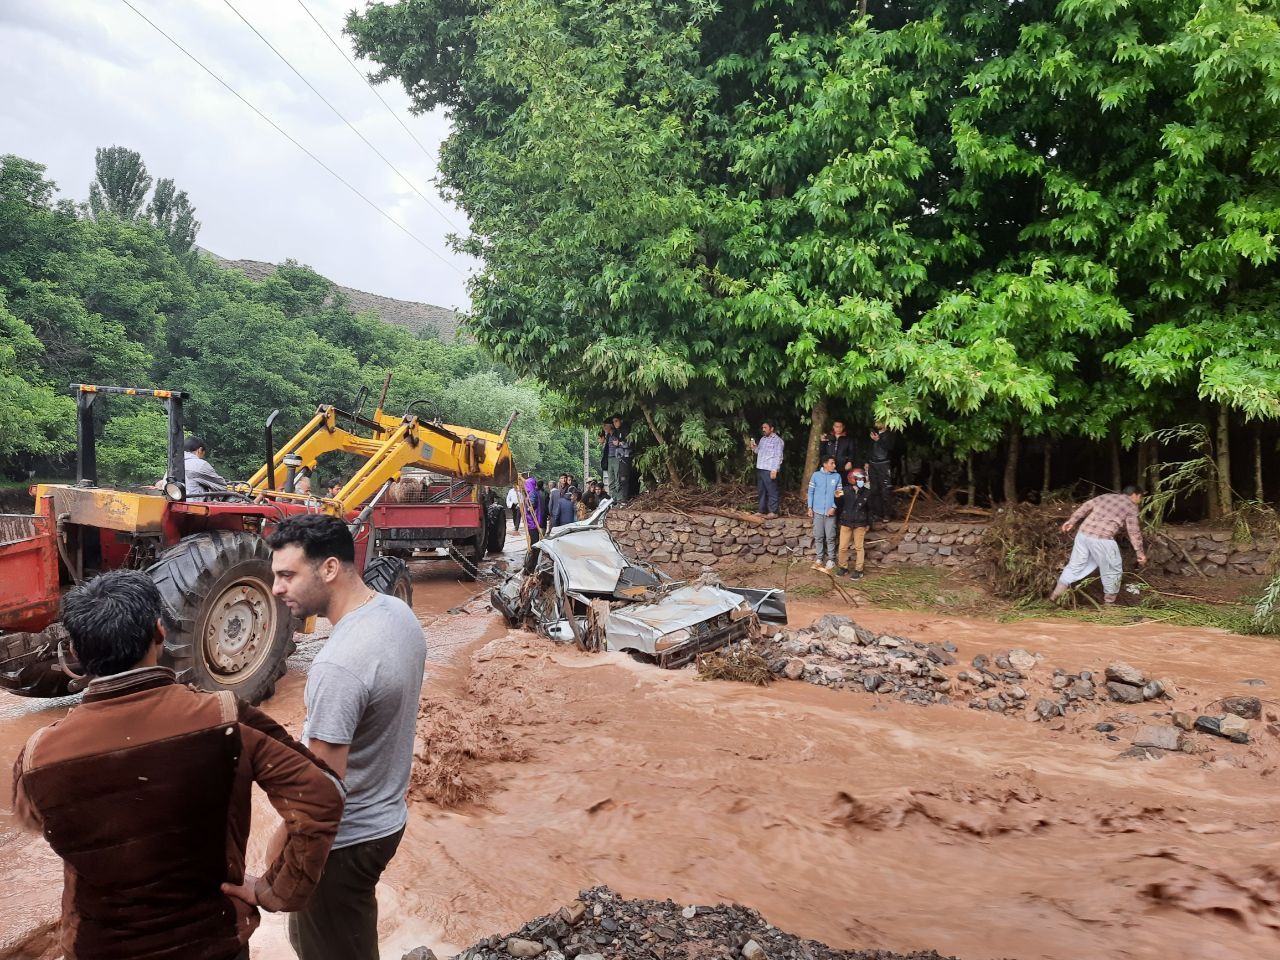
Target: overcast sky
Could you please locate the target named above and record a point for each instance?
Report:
(80, 74)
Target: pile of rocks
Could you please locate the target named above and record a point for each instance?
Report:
(1231, 722)
(602, 924)
(836, 652)
(1120, 682)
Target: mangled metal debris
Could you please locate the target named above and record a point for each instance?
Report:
(584, 590)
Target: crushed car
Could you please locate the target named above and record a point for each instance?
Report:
(578, 587)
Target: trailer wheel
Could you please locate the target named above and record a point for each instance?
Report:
(225, 629)
(497, 533)
(390, 575)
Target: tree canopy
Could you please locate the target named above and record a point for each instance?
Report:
(980, 221)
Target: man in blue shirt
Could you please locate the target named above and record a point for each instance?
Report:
(822, 508)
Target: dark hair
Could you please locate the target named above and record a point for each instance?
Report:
(194, 443)
(112, 620)
(829, 457)
(1130, 490)
(319, 535)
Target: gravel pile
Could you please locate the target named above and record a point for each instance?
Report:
(600, 924)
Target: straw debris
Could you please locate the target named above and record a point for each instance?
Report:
(736, 663)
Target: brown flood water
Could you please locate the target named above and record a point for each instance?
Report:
(855, 822)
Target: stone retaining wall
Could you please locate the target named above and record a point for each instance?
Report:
(711, 541)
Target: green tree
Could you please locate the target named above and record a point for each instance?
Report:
(120, 183)
(173, 215)
(134, 447)
(35, 420)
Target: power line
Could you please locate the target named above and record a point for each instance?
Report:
(280, 130)
(365, 80)
(337, 113)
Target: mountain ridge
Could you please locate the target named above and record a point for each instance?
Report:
(413, 315)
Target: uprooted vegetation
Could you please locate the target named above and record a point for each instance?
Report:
(1023, 550)
(738, 663)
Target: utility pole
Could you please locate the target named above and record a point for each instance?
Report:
(586, 455)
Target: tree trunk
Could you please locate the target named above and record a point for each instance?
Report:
(1046, 476)
(971, 491)
(1259, 492)
(586, 456)
(811, 452)
(1117, 478)
(1223, 453)
(1011, 464)
(673, 475)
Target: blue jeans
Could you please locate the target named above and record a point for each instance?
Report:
(767, 491)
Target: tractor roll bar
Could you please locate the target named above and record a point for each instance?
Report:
(86, 437)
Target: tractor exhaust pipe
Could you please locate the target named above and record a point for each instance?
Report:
(271, 450)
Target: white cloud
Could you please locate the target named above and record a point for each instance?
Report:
(90, 73)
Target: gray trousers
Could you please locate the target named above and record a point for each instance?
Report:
(825, 541)
(615, 479)
(1094, 553)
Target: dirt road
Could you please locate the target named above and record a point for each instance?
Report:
(838, 817)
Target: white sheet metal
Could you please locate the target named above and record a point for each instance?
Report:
(641, 625)
(586, 560)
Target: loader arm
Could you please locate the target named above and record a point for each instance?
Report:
(475, 456)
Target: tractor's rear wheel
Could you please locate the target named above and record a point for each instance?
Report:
(497, 528)
(390, 575)
(225, 630)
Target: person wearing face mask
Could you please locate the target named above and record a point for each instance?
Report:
(854, 516)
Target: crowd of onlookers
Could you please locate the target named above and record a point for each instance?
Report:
(565, 502)
(543, 507)
(850, 490)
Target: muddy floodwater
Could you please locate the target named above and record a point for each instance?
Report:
(841, 817)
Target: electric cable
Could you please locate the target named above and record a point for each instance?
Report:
(284, 133)
(366, 81)
(337, 113)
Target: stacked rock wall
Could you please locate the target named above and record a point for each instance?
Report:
(711, 541)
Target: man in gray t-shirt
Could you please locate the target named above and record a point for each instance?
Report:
(362, 710)
(362, 692)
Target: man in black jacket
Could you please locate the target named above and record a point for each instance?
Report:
(853, 513)
(880, 452)
(840, 445)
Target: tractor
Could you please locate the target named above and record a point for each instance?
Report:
(207, 553)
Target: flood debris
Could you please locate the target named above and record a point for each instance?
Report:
(583, 590)
(737, 663)
(601, 924)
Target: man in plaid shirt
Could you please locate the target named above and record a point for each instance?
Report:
(1095, 547)
(768, 462)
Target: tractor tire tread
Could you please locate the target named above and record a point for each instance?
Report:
(184, 575)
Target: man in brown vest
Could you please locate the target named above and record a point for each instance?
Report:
(144, 791)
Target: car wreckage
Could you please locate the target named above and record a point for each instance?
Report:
(578, 587)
